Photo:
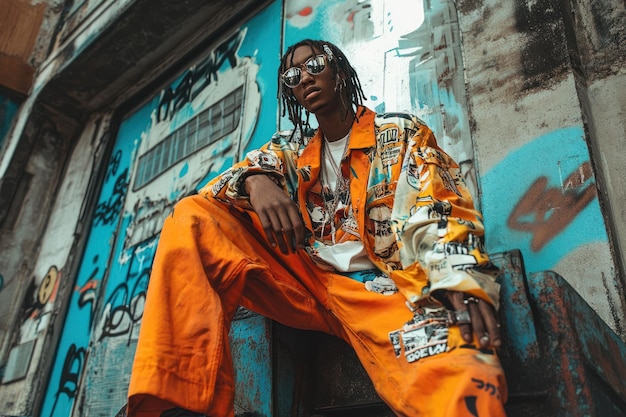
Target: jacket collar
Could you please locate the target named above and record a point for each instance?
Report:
(361, 137)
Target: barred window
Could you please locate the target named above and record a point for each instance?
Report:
(204, 129)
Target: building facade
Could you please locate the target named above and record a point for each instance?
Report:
(112, 111)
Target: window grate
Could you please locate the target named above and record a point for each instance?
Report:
(204, 129)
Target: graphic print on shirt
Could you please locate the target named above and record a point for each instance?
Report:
(224, 179)
(423, 336)
(319, 203)
(457, 255)
(385, 244)
(449, 173)
(389, 145)
(265, 160)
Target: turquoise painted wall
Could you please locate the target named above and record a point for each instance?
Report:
(542, 199)
(8, 110)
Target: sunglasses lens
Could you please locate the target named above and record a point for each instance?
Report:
(315, 65)
(292, 76)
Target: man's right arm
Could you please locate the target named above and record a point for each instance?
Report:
(278, 214)
(259, 184)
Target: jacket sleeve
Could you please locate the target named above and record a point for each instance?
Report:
(437, 228)
(271, 160)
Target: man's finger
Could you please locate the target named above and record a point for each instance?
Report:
(267, 228)
(462, 315)
(287, 227)
(491, 322)
(478, 324)
(277, 232)
(289, 219)
(281, 239)
(298, 229)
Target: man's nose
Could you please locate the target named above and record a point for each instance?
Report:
(306, 78)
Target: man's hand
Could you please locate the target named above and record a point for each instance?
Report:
(278, 214)
(483, 320)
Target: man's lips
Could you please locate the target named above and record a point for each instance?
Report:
(311, 92)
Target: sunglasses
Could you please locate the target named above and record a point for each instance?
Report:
(314, 66)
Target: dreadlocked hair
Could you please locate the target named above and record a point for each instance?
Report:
(347, 83)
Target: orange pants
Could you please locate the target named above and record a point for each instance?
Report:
(212, 258)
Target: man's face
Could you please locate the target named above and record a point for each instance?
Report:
(316, 93)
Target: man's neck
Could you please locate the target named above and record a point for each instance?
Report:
(335, 125)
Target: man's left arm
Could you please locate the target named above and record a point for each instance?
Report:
(438, 227)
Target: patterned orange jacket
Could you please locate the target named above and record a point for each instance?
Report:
(412, 208)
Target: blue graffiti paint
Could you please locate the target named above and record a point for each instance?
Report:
(554, 157)
(225, 164)
(184, 170)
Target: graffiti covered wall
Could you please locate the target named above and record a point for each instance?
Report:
(190, 131)
(529, 169)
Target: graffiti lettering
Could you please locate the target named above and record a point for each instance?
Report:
(72, 368)
(114, 164)
(552, 209)
(88, 291)
(198, 77)
(124, 307)
(107, 211)
(88, 296)
(120, 319)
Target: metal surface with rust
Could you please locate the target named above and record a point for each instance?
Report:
(587, 360)
(520, 352)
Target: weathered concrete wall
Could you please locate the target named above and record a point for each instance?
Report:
(527, 83)
(524, 95)
(34, 310)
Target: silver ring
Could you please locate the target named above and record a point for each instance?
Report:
(462, 316)
(471, 299)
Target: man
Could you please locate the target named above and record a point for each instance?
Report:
(364, 231)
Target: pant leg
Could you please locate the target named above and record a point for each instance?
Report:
(210, 259)
(460, 382)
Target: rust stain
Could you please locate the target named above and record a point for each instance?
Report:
(569, 371)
